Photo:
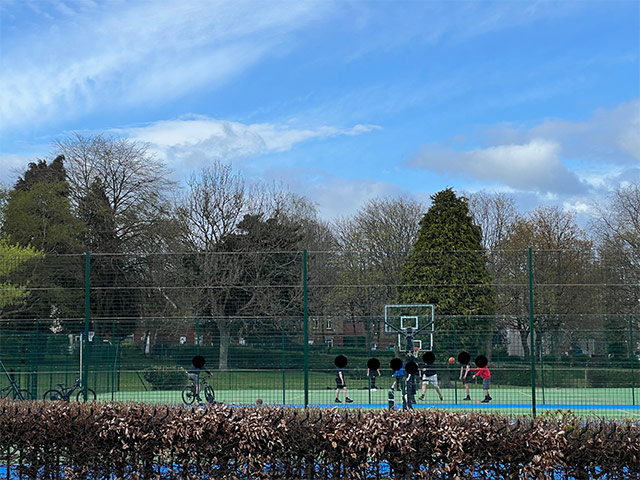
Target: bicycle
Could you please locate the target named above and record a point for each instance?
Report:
(65, 393)
(190, 392)
(12, 392)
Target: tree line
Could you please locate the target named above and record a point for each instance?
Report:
(224, 240)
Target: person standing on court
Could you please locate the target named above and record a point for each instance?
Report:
(340, 363)
(465, 372)
(429, 374)
(373, 374)
(411, 369)
(398, 378)
(485, 374)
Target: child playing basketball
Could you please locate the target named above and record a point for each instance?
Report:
(398, 378)
(485, 374)
(465, 374)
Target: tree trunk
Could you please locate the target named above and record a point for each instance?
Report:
(524, 338)
(489, 340)
(367, 323)
(223, 356)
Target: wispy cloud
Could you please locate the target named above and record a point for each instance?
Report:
(123, 53)
(191, 143)
(333, 194)
(449, 22)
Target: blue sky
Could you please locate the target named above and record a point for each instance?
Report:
(340, 101)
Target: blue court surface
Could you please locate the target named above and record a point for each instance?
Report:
(375, 471)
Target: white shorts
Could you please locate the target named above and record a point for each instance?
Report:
(433, 380)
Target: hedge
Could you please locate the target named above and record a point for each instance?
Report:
(135, 440)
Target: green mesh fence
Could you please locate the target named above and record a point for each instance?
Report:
(147, 316)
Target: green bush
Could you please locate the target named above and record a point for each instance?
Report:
(166, 378)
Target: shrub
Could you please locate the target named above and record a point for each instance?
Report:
(134, 440)
(166, 378)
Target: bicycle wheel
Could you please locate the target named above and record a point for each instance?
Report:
(188, 394)
(91, 396)
(209, 394)
(52, 395)
(26, 395)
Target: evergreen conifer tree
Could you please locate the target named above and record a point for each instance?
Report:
(447, 268)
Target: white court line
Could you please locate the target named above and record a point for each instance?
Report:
(524, 393)
(627, 412)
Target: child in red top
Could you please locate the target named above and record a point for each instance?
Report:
(486, 381)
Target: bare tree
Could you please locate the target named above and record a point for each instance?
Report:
(214, 204)
(563, 266)
(495, 214)
(373, 246)
(246, 239)
(619, 219)
(132, 180)
(617, 231)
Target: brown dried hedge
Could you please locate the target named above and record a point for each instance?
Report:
(135, 440)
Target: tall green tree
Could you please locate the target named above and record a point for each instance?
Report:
(38, 210)
(447, 268)
(38, 213)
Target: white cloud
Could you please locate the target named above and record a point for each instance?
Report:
(532, 166)
(122, 54)
(191, 143)
(556, 157)
(195, 142)
(610, 136)
(13, 166)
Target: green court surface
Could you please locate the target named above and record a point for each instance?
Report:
(609, 402)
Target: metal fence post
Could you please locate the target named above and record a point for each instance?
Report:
(197, 339)
(306, 328)
(455, 378)
(34, 382)
(284, 361)
(631, 351)
(532, 353)
(540, 346)
(114, 349)
(87, 313)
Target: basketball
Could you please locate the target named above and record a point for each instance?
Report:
(452, 360)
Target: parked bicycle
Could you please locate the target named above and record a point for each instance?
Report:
(12, 392)
(191, 393)
(65, 393)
